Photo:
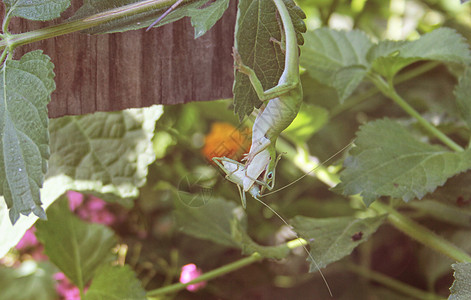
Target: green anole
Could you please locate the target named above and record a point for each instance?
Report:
(281, 105)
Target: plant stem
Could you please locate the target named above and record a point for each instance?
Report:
(255, 257)
(357, 99)
(421, 233)
(325, 19)
(3, 56)
(388, 90)
(393, 283)
(207, 276)
(6, 22)
(85, 23)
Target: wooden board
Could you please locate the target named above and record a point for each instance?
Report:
(136, 68)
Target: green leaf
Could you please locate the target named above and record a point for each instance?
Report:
(463, 96)
(26, 90)
(388, 57)
(38, 10)
(76, 247)
(224, 223)
(203, 19)
(385, 52)
(71, 149)
(115, 282)
(461, 288)
(331, 239)
(389, 161)
(106, 153)
(239, 234)
(210, 222)
(30, 281)
(347, 79)
(336, 58)
(137, 21)
(309, 120)
(256, 24)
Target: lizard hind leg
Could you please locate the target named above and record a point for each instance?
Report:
(282, 42)
(239, 65)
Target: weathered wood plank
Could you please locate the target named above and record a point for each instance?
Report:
(136, 68)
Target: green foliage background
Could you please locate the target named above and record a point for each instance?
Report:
(349, 78)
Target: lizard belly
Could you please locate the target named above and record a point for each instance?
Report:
(256, 167)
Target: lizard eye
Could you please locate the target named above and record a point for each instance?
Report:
(270, 175)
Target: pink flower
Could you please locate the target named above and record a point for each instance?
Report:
(190, 272)
(94, 209)
(59, 276)
(28, 240)
(95, 203)
(30, 246)
(104, 217)
(75, 199)
(65, 288)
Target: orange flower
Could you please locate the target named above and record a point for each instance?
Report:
(226, 140)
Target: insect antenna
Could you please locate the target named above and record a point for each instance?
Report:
(301, 242)
(304, 175)
(175, 5)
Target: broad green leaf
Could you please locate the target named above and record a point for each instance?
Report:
(309, 120)
(30, 281)
(336, 58)
(38, 10)
(204, 18)
(26, 87)
(239, 235)
(461, 288)
(463, 96)
(76, 247)
(106, 153)
(209, 222)
(347, 79)
(66, 169)
(388, 58)
(256, 24)
(331, 239)
(138, 21)
(115, 282)
(222, 222)
(389, 161)
(385, 52)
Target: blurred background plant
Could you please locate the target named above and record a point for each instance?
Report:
(187, 136)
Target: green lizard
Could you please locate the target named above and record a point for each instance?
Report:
(281, 106)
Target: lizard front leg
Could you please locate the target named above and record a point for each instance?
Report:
(280, 89)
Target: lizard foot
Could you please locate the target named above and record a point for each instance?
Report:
(239, 65)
